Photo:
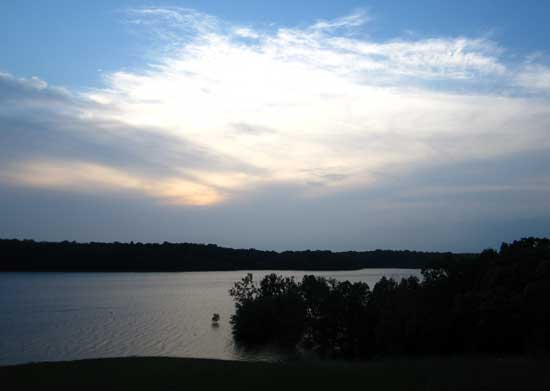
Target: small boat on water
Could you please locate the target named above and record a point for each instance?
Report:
(215, 319)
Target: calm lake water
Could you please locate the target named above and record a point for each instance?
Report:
(67, 316)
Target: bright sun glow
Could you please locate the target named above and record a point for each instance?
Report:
(316, 107)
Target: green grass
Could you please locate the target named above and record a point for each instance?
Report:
(464, 373)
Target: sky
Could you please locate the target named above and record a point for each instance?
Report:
(350, 125)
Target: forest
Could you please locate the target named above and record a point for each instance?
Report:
(29, 255)
(494, 303)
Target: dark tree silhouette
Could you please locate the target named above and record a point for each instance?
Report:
(28, 255)
(496, 302)
(272, 313)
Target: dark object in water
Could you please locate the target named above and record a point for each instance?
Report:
(215, 318)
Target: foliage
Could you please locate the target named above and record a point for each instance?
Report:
(494, 303)
(271, 313)
(28, 255)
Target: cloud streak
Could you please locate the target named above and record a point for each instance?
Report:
(227, 110)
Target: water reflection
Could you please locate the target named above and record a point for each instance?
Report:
(64, 316)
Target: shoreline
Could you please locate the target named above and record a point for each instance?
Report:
(211, 271)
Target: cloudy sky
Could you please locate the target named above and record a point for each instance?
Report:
(358, 125)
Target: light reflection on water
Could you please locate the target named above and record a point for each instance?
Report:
(67, 316)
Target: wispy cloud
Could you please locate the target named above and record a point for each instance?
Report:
(53, 139)
(92, 177)
(535, 78)
(229, 109)
(352, 20)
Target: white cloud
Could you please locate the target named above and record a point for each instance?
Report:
(246, 33)
(355, 19)
(535, 77)
(316, 107)
(34, 82)
(454, 58)
(92, 177)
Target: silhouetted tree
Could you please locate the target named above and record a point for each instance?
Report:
(28, 255)
(272, 313)
(493, 303)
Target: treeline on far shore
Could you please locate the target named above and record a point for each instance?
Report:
(30, 255)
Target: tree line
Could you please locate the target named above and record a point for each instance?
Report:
(496, 302)
(29, 255)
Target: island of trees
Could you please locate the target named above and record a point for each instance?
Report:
(29, 255)
(496, 302)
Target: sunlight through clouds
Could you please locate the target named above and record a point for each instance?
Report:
(321, 107)
(318, 92)
(91, 177)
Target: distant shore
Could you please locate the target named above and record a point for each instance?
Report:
(155, 373)
(30, 255)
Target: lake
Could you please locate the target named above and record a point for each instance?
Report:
(68, 316)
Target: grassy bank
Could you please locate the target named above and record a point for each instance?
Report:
(200, 374)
